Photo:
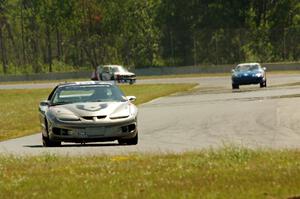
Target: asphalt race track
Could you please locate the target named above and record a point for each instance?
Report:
(210, 116)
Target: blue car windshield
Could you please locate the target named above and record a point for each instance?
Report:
(247, 67)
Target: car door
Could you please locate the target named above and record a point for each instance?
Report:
(106, 74)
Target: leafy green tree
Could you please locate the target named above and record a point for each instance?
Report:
(57, 35)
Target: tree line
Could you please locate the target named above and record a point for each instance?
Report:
(55, 35)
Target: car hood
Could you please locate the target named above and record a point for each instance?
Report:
(92, 109)
(252, 72)
(124, 73)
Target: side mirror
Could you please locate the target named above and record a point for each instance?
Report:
(44, 103)
(44, 106)
(233, 70)
(264, 68)
(131, 98)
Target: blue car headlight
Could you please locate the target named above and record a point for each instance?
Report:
(258, 75)
(235, 75)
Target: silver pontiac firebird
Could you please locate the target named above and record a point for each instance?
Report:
(88, 112)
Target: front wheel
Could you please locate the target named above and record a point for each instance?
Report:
(49, 143)
(235, 86)
(263, 84)
(131, 82)
(132, 141)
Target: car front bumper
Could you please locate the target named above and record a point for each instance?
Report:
(247, 80)
(70, 132)
(126, 79)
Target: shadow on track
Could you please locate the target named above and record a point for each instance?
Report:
(75, 145)
(245, 90)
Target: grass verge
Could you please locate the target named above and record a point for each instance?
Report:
(19, 108)
(138, 78)
(43, 81)
(228, 74)
(227, 173)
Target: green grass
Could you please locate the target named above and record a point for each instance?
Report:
(43, 81)
(280, 72)
(227, 173)
(185, 75)
(19, 108)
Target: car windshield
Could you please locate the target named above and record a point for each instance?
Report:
(87, 93)
(117, 69)
(246, 67)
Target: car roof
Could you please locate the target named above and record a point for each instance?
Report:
(85, 83)
(111, 66)
(247, 64)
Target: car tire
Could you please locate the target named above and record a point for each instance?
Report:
(49, 143)
(132, 141)
(131, 82)
(235, 86)
(263, 84)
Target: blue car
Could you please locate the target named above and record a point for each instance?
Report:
(249, 73)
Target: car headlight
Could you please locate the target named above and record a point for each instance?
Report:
(68, 118)
(258, 74)
(118, 117)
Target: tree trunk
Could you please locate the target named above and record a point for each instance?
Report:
(11, 37)
(76, 59)
(58, 44)
(95, 56)
(3, 52)
(35, 47)
(49, 50)
(22, 36)
(90, 57)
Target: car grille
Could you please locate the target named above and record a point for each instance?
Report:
(126, 76)
(92, 117)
